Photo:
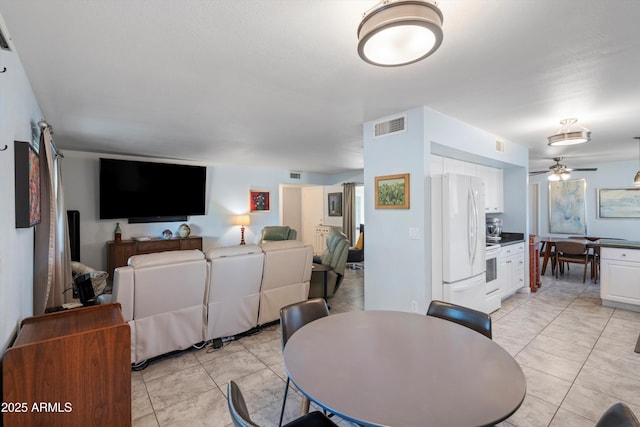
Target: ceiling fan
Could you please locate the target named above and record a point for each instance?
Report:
(558, 171)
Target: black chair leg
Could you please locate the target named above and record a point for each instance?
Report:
(284, 401)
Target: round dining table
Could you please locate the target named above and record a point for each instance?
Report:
(391, 368)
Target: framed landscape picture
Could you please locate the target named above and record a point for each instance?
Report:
(27, 177)
(619, 203)
(335, 204)
(259, 201)
(392, 191)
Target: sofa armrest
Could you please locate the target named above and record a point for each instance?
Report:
(123, 290)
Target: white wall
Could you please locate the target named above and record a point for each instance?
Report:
(227, 195)
(608, 175)
(398, 269)
(18, 109)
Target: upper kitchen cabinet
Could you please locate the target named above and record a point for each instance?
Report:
(492, 178)
(493, 186)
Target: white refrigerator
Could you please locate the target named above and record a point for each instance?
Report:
(463, 241)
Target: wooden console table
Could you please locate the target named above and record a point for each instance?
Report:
(70, 368)
(119, 251)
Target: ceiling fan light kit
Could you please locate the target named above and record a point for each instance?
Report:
(401, 32)
(567, 137)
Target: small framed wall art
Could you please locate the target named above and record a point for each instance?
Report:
(618, 203)
(392, 191)
(259, 201)
(335, 204)
(27, 175)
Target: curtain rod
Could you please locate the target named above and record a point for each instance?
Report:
(44, 125)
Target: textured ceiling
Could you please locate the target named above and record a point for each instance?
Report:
(279, 83)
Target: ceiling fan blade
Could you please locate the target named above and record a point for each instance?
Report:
(585, 169)
(537, 172)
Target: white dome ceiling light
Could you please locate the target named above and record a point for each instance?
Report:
(401, 32)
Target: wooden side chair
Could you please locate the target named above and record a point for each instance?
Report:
(572, 252)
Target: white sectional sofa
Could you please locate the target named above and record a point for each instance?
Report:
(173, 300)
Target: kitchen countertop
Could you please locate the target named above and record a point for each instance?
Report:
(511, 238)
(612, 243)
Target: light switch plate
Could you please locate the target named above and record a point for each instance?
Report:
(414, 233)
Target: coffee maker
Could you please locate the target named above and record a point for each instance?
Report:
(494, 229)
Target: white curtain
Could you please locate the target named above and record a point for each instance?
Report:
(52, 261)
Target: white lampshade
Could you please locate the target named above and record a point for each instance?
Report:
(242, 220)
(399, 32)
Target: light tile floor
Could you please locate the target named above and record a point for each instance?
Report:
(577, 357)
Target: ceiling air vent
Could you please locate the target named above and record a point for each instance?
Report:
(395, 125)
(4, 41)
(500, 146)
(295, 175)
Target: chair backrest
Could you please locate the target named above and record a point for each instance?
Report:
(295, 316)
(238, 407)
(465, 316)
(277, 232)
(233, 297)
(285, 277)
(618, 415)
(571, 248)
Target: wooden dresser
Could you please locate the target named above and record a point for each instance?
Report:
(69, 368)
(119, 251)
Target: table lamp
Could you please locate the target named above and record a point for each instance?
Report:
(242, 221)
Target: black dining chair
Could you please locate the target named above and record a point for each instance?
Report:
(241, 418)
(465, 316)
(618, 415)
(293, 317)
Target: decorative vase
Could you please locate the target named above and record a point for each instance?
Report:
(167, 234)
(183, 231)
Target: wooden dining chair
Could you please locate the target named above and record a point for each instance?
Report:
(240, 414)
(572, 252)
(293, 317)
(465, 316)
(618, 415)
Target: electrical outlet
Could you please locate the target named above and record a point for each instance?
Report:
(414, 306)
(414, 233)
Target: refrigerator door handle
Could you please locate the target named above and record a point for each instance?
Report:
(475, 225)
(470, 225)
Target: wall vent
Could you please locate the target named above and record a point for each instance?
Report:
(4, 40)
(500, 146)
(295, 175)
(397, 124)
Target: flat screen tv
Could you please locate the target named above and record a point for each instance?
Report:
(151, 192)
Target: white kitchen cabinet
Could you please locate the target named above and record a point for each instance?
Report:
(322, 232)
(493, 188)
(620, 277)
(511, 269)
(492, 178)
(458, 166)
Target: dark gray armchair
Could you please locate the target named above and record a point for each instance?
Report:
(277, 232)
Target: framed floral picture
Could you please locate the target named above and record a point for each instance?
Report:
(392, 191)
(259, 201)
(27, 177)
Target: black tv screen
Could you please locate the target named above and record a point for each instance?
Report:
(150, 191)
